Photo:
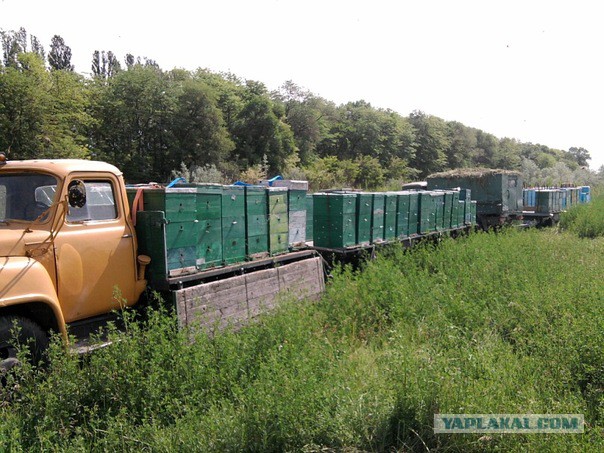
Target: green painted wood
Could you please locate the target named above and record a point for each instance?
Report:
(377, 217)
(402, 215)
(413, 213)
(277, 200)
(209, 201)
(233, 224)
(427, 213)
(181, 234)
(297, 200)
(364, 214)
(181, 257)
(209, 243)
(454, 209)
(461, 219)
(152, 242)
(179, 205)
(257, 244)
(438, 199)
(390, 208)
(448, 209)
(278, 223)
(278, 243)
(256, 218)
(473, 212)
(309, 217)
(334, 220)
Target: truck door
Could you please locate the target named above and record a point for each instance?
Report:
(95, 251)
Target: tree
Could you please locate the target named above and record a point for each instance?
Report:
(260, 130)
(433, 139)
(371, 173)
(129, 60)
(487, 146)
(463, 148)
(105, 64)
(42, 114)
(23, 100)
(59, 57)
(37, 48)
(305, 113)
(580, 155)
(13, 44)
(201, 138)
(361, 130)
(133, 129)
(508, 154)
(68, 120)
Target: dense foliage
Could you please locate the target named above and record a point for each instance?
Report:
(493, 323)
(149, 121)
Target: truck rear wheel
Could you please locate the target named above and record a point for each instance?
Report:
(18, 331)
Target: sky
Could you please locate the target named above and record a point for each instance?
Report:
(530, 70)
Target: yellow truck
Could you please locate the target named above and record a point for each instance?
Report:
(68, 240)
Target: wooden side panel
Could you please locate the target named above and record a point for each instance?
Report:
(237, 300)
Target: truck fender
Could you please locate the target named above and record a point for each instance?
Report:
(24, 280)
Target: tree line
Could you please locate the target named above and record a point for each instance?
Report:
(152, 123)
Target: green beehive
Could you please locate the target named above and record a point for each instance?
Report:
(364, 214)
(454, 210)
(465, 194)
(278, 225)
(402, 215)
(233, 224)
(390, 207)
(447, 209)
(309, 218)
(209, 225)
(461, 213)
(427, 212)
(545, 201)
(180, 210)
(377, 217)
(413, 212)
(438, 199)
(468, 213)
(473, 212)
(179, 204)
(256, 221)
(334, 220)
(297, 216)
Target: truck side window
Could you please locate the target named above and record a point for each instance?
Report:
(100, 203)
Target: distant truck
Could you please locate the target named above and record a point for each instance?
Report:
(68, 240)
(498, 193)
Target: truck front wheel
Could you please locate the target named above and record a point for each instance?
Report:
(17, 331)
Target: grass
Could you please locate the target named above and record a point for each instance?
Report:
(587, 220)
(492, 323)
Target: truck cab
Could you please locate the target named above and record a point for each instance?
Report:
(68, 251)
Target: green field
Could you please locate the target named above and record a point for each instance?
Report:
(492, 323)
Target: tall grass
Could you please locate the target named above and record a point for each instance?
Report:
(587, 220)
(506, 323)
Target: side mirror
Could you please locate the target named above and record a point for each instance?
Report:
(76, 194)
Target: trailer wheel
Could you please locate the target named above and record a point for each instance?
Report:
(27, 334)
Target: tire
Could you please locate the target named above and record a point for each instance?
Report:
(28, 334)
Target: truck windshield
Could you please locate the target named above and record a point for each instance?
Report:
(25, 196)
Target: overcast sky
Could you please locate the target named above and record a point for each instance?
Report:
(531, 70)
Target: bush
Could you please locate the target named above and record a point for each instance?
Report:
(587, 220)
